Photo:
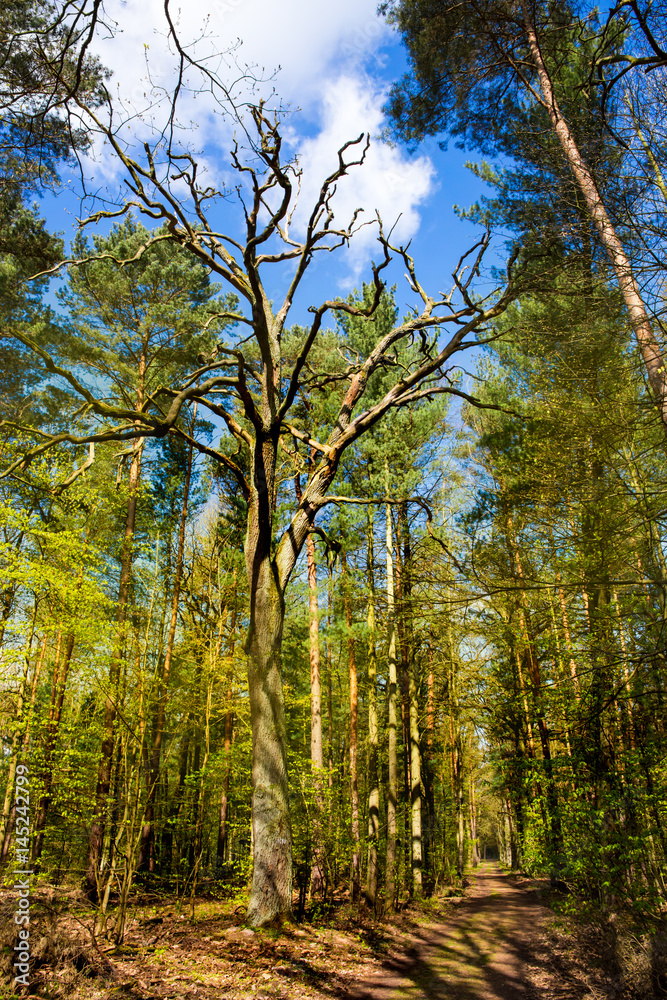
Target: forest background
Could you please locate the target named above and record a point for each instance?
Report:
(328, 589)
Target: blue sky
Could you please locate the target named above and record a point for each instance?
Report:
(332, 66)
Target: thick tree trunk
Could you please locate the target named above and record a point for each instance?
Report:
(638, 316)
(271, 896)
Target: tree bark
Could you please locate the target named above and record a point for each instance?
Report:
(373, 780)
(271, 894)
(392, 787)
(428, 764)
(413, 698)
(354, 716)
(316, 750)
(403, 671)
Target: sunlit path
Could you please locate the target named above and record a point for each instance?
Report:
(479, 954)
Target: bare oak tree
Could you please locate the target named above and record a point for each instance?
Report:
(252, 386)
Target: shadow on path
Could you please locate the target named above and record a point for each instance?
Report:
(479, 954)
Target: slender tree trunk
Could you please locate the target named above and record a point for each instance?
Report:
(402, 628)
(7, 598)
(457, 794)
(60, 672)
(316, 747)
(201, 797)
(429, 790)
(197, 735)
(531, 662)
(576, 685)
(330, 736)
(147, 849)
(473, 822)
(392, 789)
(413, 696)
(223, 834)
(316, 758)
(222, 845)
(456, 764)
(354, 715)
(373, 779)
(19, 737)
(639, 319)
(96, 837)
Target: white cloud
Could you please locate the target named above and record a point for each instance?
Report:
(389, 182)
(304, 39)
(331, 60)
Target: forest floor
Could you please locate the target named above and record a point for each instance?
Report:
(499, 941)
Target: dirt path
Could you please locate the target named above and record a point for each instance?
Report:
(480, 953)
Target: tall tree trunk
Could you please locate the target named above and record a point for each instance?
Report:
(96, 837)
(271, 894)
(147, 849)
(60, 672)
(456, 758)
(373, 779)
(197, 736)
(7, 598)
(198, 816)
(330, 733)
(316, 749)
(316, 758)
(392, 787)
(473, 822)
(354, 715)
(222, 845)
(428, 763)
(413, 696)
(403, 671)
(222, 851)
(19, 738)
(529, 658)
(638, 316)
